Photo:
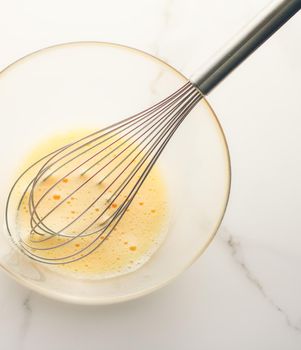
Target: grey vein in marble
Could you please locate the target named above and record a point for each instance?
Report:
(236, 252)
(27, 314)
(153, 84)
(166, 16)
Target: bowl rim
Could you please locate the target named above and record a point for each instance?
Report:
(106, 301)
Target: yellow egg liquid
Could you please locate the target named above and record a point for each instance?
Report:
(131, 243)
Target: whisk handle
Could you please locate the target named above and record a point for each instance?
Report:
(265, 24)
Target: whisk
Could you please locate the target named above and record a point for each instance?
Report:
(104, 170)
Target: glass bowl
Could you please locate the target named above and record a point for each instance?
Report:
(90, 85)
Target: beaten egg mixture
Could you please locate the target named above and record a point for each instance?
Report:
(131, 243)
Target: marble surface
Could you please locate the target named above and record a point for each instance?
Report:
(245, 291)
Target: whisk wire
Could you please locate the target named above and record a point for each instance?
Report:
(163, 120)
(122, 155)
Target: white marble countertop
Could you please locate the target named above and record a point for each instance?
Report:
(245, 291)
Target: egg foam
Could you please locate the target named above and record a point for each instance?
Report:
(131, 243)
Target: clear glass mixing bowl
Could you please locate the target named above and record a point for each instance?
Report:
(90, 85)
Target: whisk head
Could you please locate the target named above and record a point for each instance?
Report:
(99, 175)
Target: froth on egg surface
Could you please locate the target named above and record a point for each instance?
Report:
(132, 242)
